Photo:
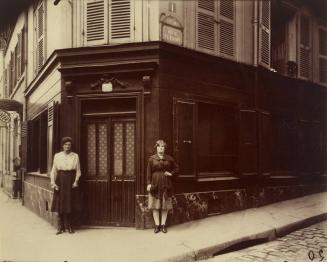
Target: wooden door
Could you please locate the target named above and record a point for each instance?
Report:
(109, 183)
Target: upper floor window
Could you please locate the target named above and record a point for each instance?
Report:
(108, 21)
(16, 66)
(323, 55)
(215, 28)
(39, 36)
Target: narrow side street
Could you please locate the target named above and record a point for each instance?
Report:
(308, 244)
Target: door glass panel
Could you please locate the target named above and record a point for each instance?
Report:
(130, 148)
(91, 154)
(102, 149)
(118, 149)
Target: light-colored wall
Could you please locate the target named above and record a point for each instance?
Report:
(58, 32)
(48, 90)
(186, 14)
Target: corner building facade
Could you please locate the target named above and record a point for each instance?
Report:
(237, 89)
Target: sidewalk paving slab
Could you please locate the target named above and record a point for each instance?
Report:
(26, 237)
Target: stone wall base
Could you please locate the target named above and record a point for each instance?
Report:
(197, 205)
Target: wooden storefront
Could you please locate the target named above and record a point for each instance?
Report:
(237, 131)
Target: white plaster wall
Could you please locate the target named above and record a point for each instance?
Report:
(47, 91)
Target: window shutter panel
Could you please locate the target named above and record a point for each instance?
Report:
(323, 56)
(14, 60)
(305, 48)
(248, 143)
(51, 109)
(206, 25)
(264, 33)
(120, 21)
(265, 142)
(5, 81)
(30, 145)
(40, 36)
(184, 119)
(11, 79)
(22, 44)
(96, 13)
(19, 52)
(24, 133)
(226, 27)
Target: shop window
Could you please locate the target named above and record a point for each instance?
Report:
(216, 140)
(37, 143)
(206, 140)
(216, 26)
(108, 21)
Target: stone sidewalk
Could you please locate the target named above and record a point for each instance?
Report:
(26, 237)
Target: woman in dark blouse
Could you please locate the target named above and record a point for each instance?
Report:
(161, 167)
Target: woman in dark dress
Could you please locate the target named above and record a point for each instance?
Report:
(64, 175)
(161, 167)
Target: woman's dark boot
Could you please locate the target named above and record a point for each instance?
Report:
(164, 229)
(156, 229)
(69, 224)
(61, 225)
(60, 230)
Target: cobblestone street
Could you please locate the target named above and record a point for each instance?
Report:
(308, 244)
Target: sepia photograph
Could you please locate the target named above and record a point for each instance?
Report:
(163, 130)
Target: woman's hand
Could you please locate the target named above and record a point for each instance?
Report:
(168, 173)
(54, 186)
(148, 188)
(75, 184)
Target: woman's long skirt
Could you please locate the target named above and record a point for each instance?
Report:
(67, 199)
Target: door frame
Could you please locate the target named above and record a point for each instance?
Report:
(139, 130)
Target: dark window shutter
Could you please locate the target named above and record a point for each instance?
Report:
(226, 27)
(96, 21)
(51, 109)
(317, 148)
(304, 154)
(305, 62)
(12, 68)
(264, 33)
(265, 142)
(206, 25)
(22, 44)
(184, 138)
(42, 146)
(24, 135)
(323, 56)
(120, 20)
(248, 143)
(18, 56)
(30, 145)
